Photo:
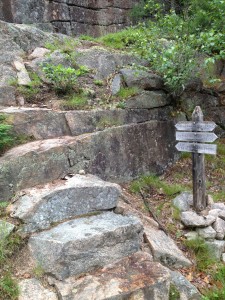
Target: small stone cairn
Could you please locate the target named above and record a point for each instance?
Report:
(208, 225)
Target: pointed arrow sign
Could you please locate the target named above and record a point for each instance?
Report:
(197, 148)
(200, 137)
(199, 126)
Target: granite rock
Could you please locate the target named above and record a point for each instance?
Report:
(164, 248)
(32, 289)
(83, 244)
(183, 202)
(134, 277)
(39, 207)
(192, 219)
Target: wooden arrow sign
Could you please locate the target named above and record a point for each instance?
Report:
(192, 126)
(197, 148)
(201, 137)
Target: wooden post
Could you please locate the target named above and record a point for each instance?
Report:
(198, 170)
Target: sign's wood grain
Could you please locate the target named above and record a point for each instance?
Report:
(200, 137)
(197, 148)
(195, 126)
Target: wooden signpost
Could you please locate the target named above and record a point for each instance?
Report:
(192, 137)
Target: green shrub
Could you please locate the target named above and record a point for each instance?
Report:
(6, 136)
(63, 79)
(170, 41)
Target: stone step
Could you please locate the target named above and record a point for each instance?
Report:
(39, 207)
(164, 249)
(116, 154)
(42, 123)
(133, 277)
(81, 245)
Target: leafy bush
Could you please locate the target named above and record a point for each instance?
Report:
(63, 79)
(172, 41)
(6, 136)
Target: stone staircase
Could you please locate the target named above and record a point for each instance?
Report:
(69, 219)
(75, 233)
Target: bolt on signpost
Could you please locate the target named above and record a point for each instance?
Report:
(192, 136)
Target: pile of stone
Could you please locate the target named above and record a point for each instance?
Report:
(208, 225)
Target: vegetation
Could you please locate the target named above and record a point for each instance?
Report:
(174, 41)
(153, 182)
(76, 101)
(8, 246)
(218, 291)
(127, 92)
(174, 293)
(202, 254)
(63, 79)
(67, 45)
(6, 136)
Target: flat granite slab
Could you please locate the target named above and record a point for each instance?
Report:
(39, 207)
(81, 245)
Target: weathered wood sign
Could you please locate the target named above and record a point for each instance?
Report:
(197, 148)
(191, 126)
(192, 137)
(199, 137)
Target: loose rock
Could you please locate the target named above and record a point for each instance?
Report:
(207, 233)
(164, 248)
(192, 219)
(216, 248)
(192, 235)
(116, 85)
(148, 99)
(141, 79)
(38, 53)
(219, 226)
(183, 201)
(5, 229)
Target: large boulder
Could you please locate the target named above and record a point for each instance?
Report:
(81, 245)
(117, 154)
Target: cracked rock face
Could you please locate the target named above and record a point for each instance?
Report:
(117, 154)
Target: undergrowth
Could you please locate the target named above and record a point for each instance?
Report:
(154, 182)
(9, 245)
(173, 42)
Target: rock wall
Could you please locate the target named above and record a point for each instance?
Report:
(73, 17)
